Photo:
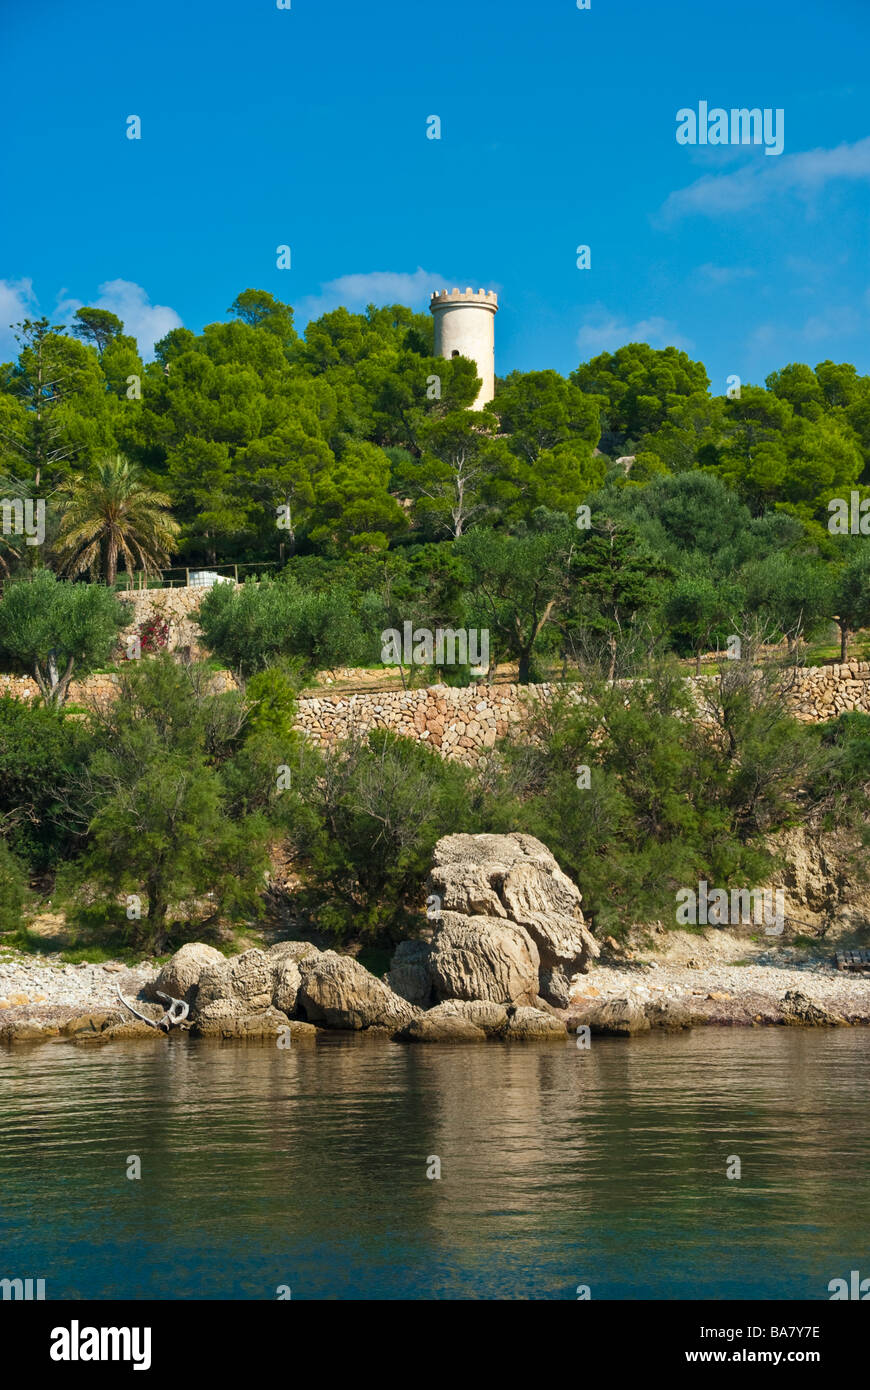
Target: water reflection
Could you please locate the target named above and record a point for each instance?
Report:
(308, 1167)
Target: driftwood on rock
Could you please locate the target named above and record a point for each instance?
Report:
(175, 1012)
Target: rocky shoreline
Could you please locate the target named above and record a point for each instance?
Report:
(40, 1000)
(505, 955)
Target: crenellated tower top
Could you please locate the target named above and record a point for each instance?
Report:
(486, 298)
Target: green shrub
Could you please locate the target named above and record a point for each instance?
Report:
(257, 624)
(364, 819)
(161, 826)
(41, 753)
(669, 800)
(13, 890)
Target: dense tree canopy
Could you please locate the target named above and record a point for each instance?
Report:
(350, 454)
(608, 522)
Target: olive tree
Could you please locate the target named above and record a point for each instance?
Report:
(55, 629)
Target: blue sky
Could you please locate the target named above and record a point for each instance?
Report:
(307, 127)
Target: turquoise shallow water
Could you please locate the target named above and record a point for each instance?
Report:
(307, 1168)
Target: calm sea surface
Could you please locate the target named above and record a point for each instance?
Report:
(308, 1168)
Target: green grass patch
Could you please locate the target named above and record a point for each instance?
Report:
(90, 955)
(24, 941)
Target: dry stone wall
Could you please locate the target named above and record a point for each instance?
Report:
(177, 606)
(823, 692)
(463, 724)
(92, 690)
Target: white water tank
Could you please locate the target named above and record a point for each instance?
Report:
(205, 579)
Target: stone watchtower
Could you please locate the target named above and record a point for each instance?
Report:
(465, 327)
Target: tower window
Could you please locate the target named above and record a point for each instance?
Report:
(455, 352)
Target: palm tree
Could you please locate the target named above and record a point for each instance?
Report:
(111, 513)
(9, 552)
(11, 549)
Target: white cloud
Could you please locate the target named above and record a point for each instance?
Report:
(763, 335)
(17, 302)
(605, 332)
(719, 275)
(798, 175)
(833, 322)
(374, 287)
(147, 322)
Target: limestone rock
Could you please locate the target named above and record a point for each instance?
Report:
(668, 1014)
(462, 873)
(291, 950)
(179, 977)
(812, 878)
(491, 1018)
(258, 1023)
(286, 984)
(106, 1028)
(438, 1027)
(340, 993)
(545, 1007)
(113, 1025)
(800, 1011)
(555, 987)
(234, 988)
(533, 1025)
(619, 1018)
(480, 958)
(515, 878)
(27, 1030)
(91, 1023)
(299, 1031)
(284, 958)
(126, 1031)
(409, 972)
(246, 985)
